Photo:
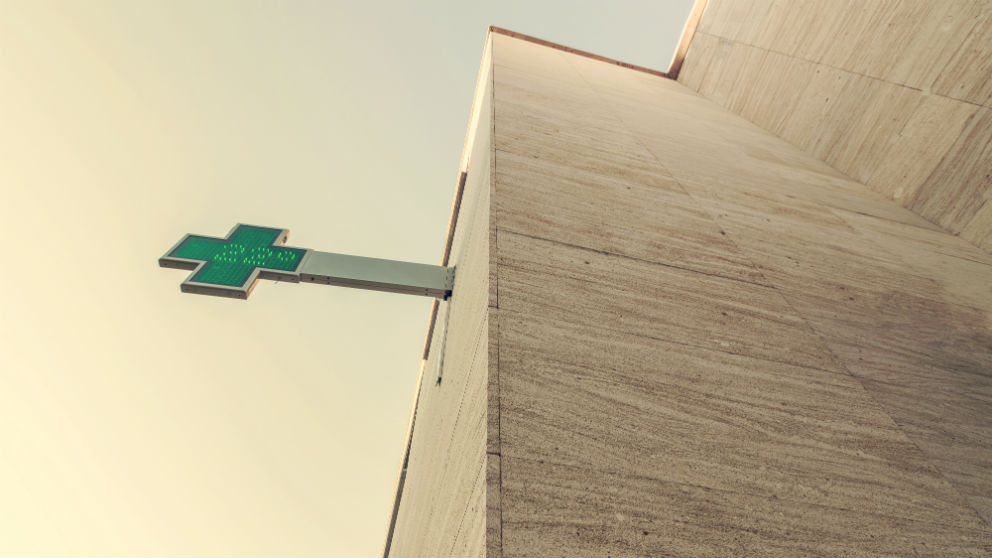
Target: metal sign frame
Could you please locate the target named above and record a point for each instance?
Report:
(245, 289)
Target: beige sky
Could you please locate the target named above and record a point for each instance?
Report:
(135, 420)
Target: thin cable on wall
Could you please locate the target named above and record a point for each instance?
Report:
(444, 340)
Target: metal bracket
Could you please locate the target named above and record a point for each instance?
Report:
(359, 272)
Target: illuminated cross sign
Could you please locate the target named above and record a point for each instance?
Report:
(231, 266)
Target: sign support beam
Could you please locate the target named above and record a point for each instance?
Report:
(375, 274)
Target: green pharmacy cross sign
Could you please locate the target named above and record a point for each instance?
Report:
(230, 266)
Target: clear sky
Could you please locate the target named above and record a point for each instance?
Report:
(135, 420)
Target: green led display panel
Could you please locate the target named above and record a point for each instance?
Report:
(230, 266)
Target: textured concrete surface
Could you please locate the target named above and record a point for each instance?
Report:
(895, 93)
(699, 340)
(442, 506)
(712, 343)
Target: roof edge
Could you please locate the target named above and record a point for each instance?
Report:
(587, 54)
(685, 41)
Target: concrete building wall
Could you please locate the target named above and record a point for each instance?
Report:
(897, 94)
(674, 333)
(712, 343)
(442, 505)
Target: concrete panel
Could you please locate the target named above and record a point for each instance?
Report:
(893, 93)
(966, 74)
(621, 410)
(690, 239)
(954, 192)
(709, 342)
(917, 149)
(979, 229)
(554, 510)
(633, 405)
(632, 297)
(443, 506)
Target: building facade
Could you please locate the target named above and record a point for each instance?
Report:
(674, 333)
